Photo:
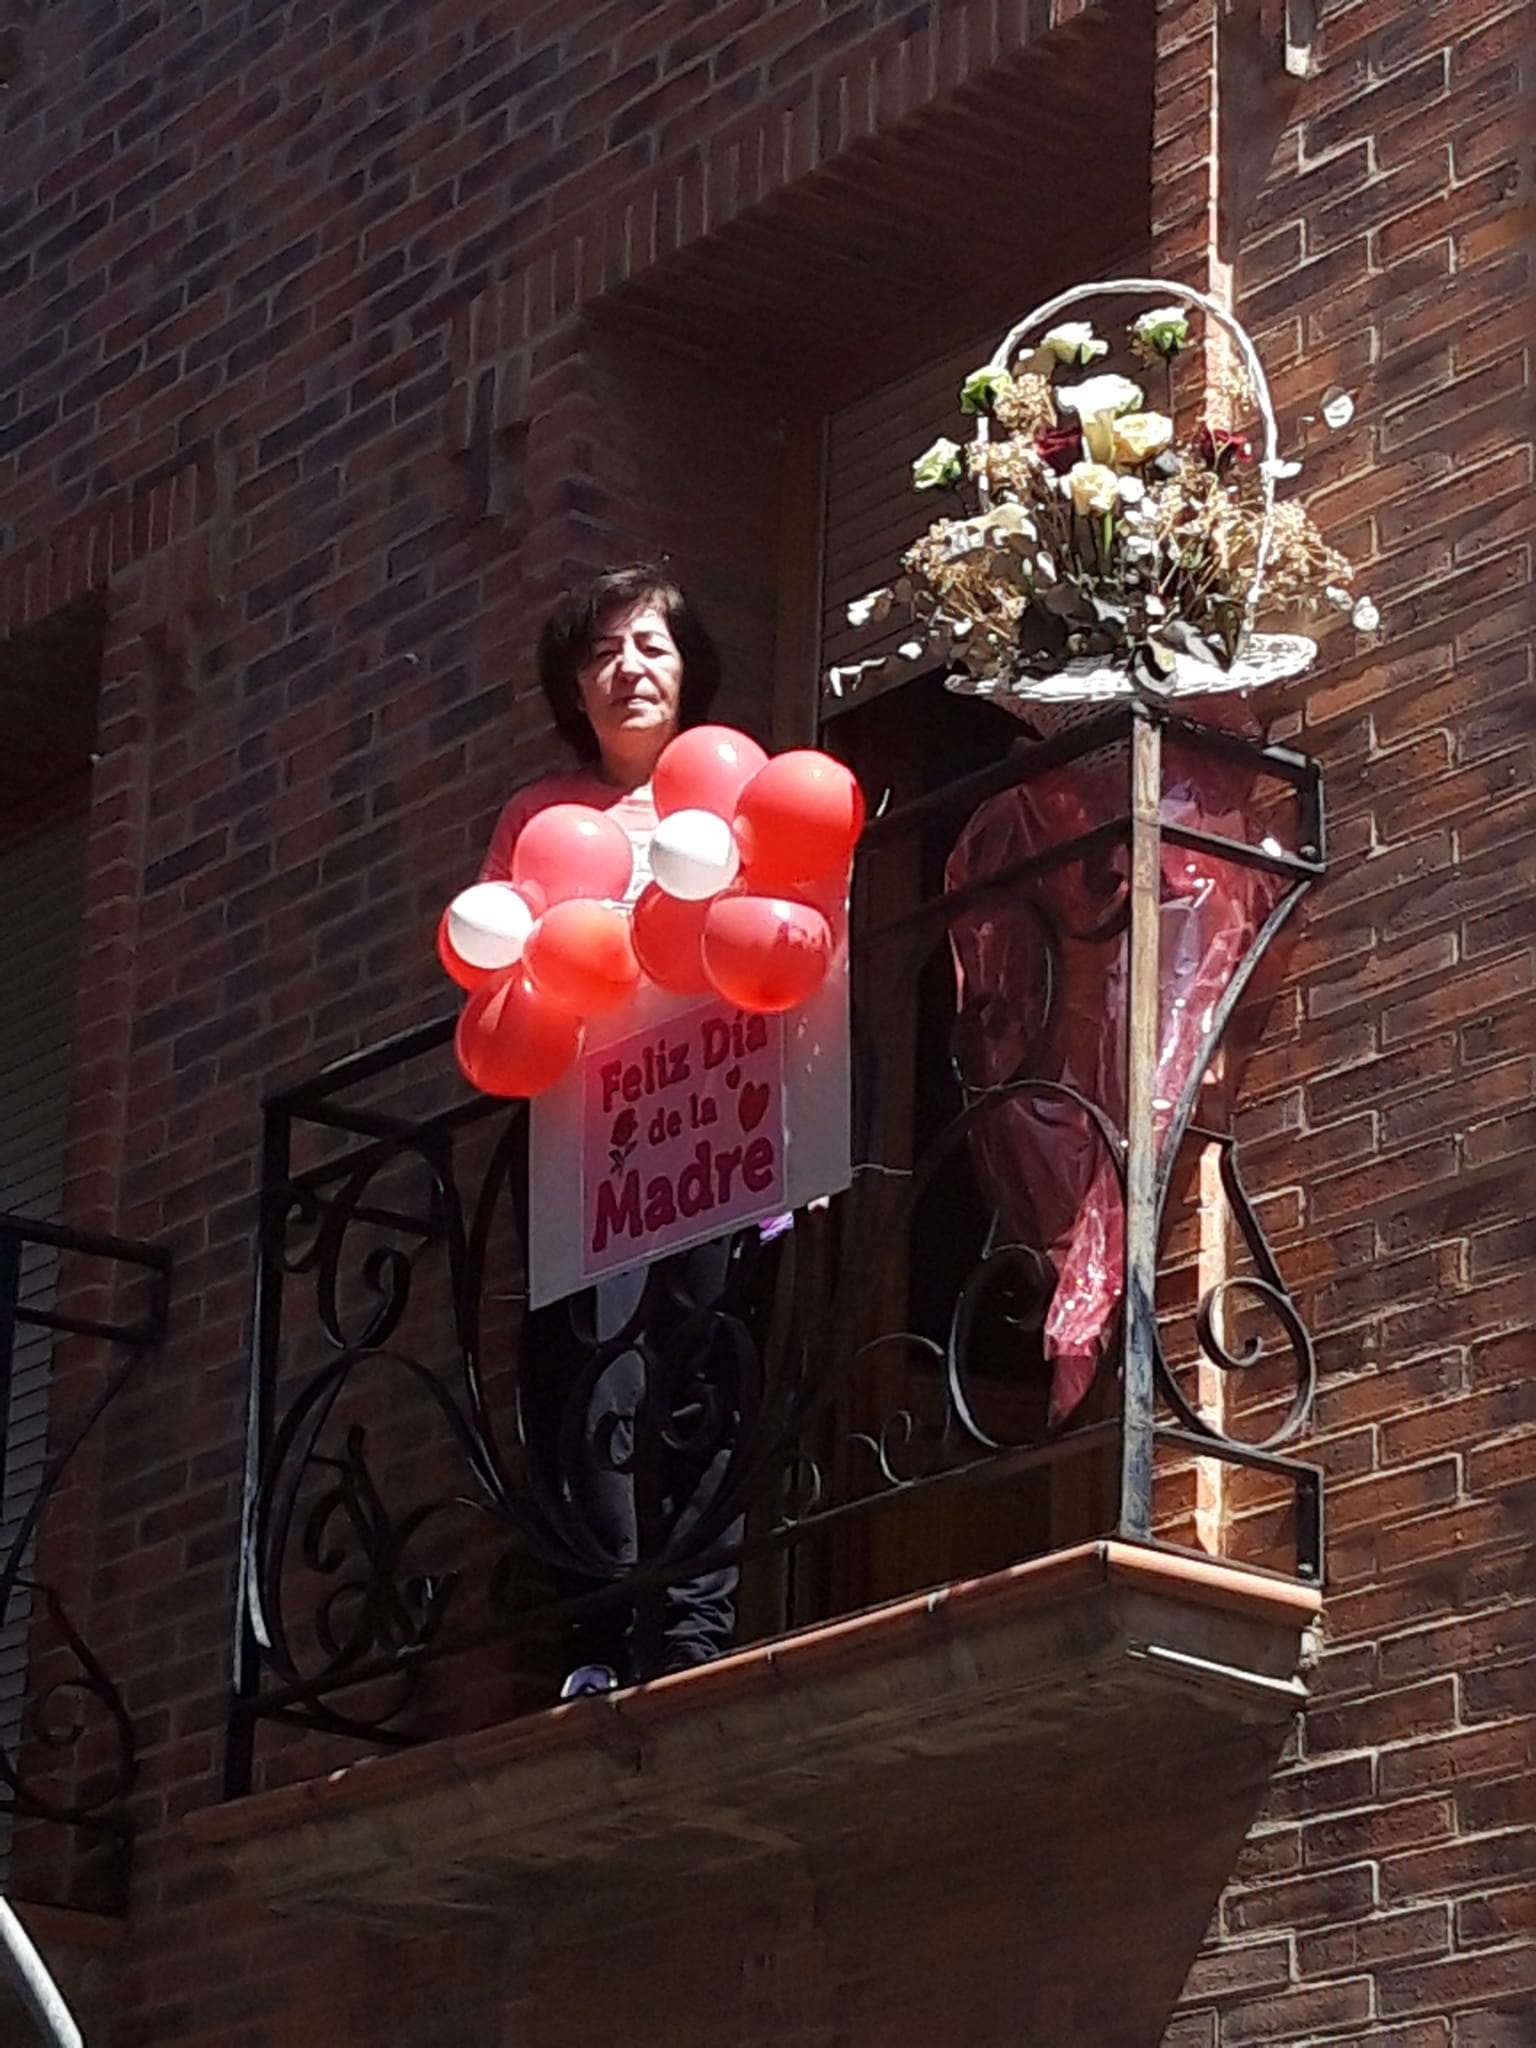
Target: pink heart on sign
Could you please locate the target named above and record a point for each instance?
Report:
(752, 1106)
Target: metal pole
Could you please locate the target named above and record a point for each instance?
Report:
(266, 1342)
(10, 1295)
(30, 1974)
(1141, 1204)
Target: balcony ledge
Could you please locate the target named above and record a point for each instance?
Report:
(1019, 1682)
(1017, 1796)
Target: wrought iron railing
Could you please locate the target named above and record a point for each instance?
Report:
(419, 1512)
(71, 1757)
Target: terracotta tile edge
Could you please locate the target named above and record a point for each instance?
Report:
(1207, 1583)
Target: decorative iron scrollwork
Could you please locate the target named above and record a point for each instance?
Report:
(1266, 1289)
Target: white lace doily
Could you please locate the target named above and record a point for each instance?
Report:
(1266, 658)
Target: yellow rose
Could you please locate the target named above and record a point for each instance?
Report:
(1137, 436)
(1094, 487)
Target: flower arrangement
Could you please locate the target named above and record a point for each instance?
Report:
(1109, 550)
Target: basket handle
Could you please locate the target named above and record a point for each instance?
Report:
(1122, 287)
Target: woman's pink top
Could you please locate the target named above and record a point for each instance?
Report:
(633, 810)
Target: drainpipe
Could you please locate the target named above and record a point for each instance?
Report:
(29, 1973)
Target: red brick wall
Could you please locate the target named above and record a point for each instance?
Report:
(261, 260)
(1385, 215)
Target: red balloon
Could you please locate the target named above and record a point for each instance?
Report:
(829, 896)
(669, 935)
(534, 896)
(581, 955)
(797, 821)
(573, 850)
(705, 769)
(460, 970)
(512, 1040)
(764, 953)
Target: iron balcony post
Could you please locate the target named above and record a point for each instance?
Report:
(1141, 1196)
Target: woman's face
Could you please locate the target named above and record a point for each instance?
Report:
(631, 684)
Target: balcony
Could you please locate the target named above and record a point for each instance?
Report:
(1008, 1597)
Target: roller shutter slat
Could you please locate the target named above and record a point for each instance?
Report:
(40, 909)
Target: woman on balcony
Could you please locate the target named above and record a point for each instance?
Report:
(625, 1400)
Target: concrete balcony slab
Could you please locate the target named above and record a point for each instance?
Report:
(959, 1793)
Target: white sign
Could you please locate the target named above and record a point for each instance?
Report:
(684, 1119)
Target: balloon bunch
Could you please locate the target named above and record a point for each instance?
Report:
(749, 861)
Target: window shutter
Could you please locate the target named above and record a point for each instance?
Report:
(873, 513)
(40, 916)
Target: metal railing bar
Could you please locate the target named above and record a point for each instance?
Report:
(34, 1982)
(131, 1251)
(300, 1097)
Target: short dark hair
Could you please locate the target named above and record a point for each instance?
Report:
(573, 627)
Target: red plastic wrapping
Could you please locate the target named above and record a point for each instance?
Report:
(1058, 1013)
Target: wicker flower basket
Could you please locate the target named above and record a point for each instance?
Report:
(1081, 688)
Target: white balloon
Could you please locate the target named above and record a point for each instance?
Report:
(488, 924)
(694, 855)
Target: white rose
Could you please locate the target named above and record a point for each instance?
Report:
(938, 467)
(982, 388)
(1163, 331)
(1098, 403)
(1074, 343)
(1110, 393)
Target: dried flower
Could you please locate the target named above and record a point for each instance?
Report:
(938, 467)
(874, 605)
(1025, 405)
(1162, 332)
(1138, 436)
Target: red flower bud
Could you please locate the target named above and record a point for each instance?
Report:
(1060, 447)
(1219, 449)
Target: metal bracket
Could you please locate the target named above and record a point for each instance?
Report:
(1291, 1691)
(1300, 37)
